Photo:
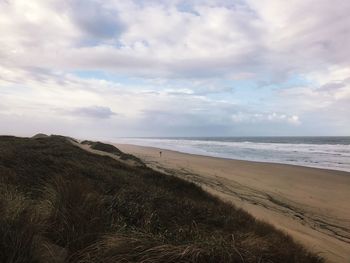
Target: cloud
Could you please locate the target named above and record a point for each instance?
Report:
(96, 19)
(212, 66)
(151, 40)
(248, 117)
(216, 38)
(97, 112)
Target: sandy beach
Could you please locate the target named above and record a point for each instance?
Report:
(310, 204)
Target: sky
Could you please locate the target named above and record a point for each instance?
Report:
(109, 68)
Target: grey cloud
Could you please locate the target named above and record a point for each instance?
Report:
(97, 112)
(331, 87)
(322, 34)
(96, 20)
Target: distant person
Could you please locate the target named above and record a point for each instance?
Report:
(160, 154)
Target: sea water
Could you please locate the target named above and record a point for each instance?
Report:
(321, 152)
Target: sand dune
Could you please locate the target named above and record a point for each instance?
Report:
(310, 204)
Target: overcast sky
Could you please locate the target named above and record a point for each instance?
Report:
(109, 68)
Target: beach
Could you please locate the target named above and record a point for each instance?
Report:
(310, 204)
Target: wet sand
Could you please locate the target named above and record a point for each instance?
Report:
(312, 205)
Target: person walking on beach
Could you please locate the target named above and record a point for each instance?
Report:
(160, 154)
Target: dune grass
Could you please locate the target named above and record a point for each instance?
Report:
(113, 150)
(59, 203)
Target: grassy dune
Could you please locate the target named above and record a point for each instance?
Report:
(59, 203)
(112, 150)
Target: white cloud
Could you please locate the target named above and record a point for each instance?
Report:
(248, 117)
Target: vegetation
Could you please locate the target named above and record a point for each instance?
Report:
(59, 203)
(39, 135)
(113, 150)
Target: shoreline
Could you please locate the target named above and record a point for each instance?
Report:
(232, 159)
(293, 160)
(308, 203)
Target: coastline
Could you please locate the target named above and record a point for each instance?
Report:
(308, 203)
(325, 154)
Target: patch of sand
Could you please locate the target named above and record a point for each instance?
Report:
(310, 204)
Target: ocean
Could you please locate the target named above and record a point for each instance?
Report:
(321, 152)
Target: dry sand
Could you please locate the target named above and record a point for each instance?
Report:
(312, 205)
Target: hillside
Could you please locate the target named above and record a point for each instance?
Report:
(110, 149)
(60, 203)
